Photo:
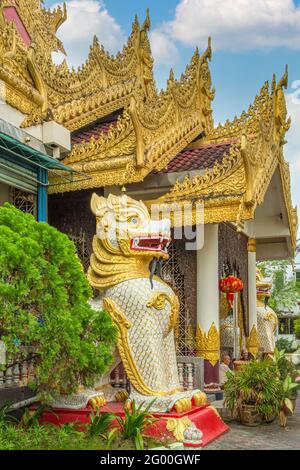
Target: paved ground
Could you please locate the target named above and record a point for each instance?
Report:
(264, 437)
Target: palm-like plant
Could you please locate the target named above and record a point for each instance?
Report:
(99, 423)
(257, 384)
(134, 423)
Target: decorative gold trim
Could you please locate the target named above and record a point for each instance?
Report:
(271, 316)
(158, 301)
(212, 408)
(253, 341)
(178, 426)
(124, 348)
(251, 245)
(208, 344)
(154, 127)
(125, 353)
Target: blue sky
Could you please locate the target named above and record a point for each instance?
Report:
(252, 39)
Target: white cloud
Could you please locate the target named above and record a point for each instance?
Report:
(235, 24)
(163, 49)
(85, 19)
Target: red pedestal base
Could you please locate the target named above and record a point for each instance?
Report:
(205, 418)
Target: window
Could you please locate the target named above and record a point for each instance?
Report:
(286, 326)
(26, 202)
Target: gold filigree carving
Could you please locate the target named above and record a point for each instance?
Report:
(124, 349)
(125, 353)
(253, 342)
(208, 344)
(271, 316)
(178, 426)
(159, 300)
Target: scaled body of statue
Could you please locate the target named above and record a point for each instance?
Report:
(267, 321)
(126, 249)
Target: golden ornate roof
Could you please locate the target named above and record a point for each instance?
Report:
(40, 88)
(232, 189)
(152, 128)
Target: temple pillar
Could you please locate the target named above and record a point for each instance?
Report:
(208, 333)
(252, 340)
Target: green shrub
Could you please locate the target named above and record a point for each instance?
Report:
(44, 309)
(135, 421)
(258, 384)
(297, 328)
(99, 423)
(286, 345)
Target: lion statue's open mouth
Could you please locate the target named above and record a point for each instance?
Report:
(153, 242)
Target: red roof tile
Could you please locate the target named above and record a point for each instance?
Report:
(198, 159)
(94, 131)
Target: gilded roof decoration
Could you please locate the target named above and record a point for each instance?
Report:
(234, 187)
(153, 128)
(150, 131)
(98, 87)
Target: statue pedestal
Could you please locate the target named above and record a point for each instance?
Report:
(170, 424)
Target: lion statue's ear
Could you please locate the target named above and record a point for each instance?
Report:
(98, 203)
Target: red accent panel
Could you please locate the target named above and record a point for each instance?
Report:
(204, 417)
(92, 131)
(198, 159)
(11, 14)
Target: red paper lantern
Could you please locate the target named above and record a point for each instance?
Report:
(230, 285)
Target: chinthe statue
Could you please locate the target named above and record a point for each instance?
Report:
(126, 250)
(267, 321)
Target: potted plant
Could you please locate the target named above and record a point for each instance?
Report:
(254, 393)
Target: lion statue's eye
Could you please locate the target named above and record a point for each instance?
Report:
(134, 220)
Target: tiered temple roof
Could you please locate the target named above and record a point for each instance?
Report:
(124, 131)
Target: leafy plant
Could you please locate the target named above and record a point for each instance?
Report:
(286, 291)
(31, 417)
(50, 437)
(99, 423)
(286, 368)
(134, 423)
(5, 416)
(297, 328)
(258, 384)
(285, 345)
(287, 407)
(45, 314)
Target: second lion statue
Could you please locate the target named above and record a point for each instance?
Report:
(145, 309)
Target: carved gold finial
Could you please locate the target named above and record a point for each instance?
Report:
(123, 189)
(208, 344)
(147, 22)
(253, 342)
(178, 426)
(208, 53)
(283, 82)
(171, 77)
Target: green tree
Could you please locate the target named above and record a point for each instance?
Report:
(44, 309)
(286, 291)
